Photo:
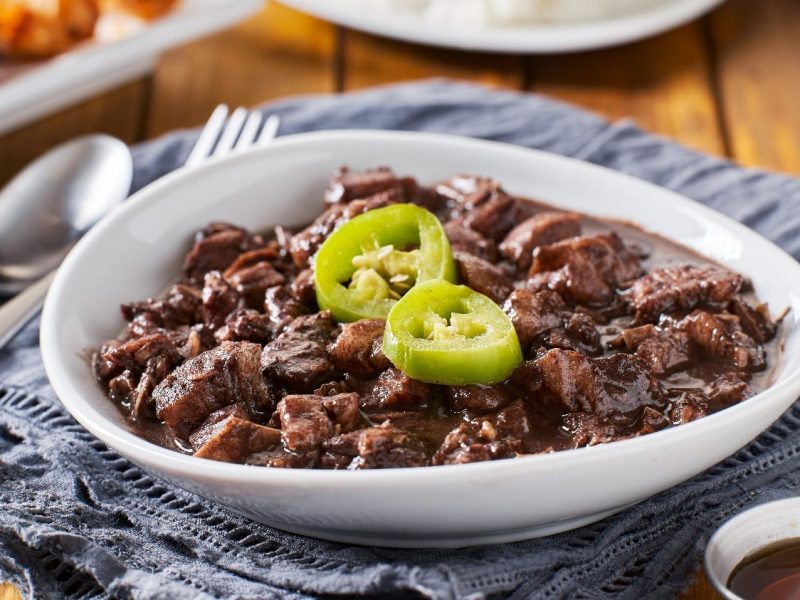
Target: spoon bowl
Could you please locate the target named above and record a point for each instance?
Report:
(55, 200)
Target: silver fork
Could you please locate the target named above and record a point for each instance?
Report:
(223, 135)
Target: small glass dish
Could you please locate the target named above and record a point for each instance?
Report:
(746, 534)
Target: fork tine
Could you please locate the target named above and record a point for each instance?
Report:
(269, 131)
(205, 143)
(231, 132)
(249, 131)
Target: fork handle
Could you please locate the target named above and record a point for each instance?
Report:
(15, 313)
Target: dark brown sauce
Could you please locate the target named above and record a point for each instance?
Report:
(661, 252)
(656, 252)
(771, 573)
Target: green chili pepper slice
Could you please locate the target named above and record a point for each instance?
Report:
(370, 262)
(444, 333)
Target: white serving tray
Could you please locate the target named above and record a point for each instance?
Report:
(119, 54)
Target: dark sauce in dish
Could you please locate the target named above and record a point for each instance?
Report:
(771, 573)
(609, 369)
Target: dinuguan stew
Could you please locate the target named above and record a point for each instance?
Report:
(410, 325)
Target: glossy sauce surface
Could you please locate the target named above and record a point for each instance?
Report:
(599, 364)
(657, 252)
(772, 573)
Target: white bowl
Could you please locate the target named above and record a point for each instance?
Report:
(747, 533)
(137, 251)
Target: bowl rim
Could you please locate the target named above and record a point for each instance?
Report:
(145, 452)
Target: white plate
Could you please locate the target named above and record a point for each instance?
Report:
(137, 251)
(544, 39)
(34, 91)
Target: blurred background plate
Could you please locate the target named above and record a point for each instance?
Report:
(522, 39)
(33, 90)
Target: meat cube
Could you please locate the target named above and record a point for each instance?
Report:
(465, 192)
(534, 313)
(679, 289)
(496, 217)
(144, 323)
(245, 324)
(141, 400)
(720, 335)
(282, 308)
(544, 313)
(728, 389)
(388, 448)
(650, 421)
(331, 388)
(755, 321)
(212, 424)
(690, 405)
(182, 306)
(304, 423)
(305, 243)
(219, 300)
(281, 458)
(340, 451)
(512, 421)
(346, 185)
(256, 270)
(542, 229)
(134, 390)
(464, 239)
(358, 349)
(344, 410)
(235, 439)
(588, 429)
(253, 281)
(271, 253)
(215, 248)
(475, 442)
(383, 447)
(298, 357)
(664, 350)
(526, 380)
(480, 204)
(585, 270)
(483, 277)
(578, 333)
(475, 399)
(620, 383)
(228, 374)
(303, 289)
(121, 387)
(134, 355)
(395, 390)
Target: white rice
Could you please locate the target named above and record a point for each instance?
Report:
(492, 13)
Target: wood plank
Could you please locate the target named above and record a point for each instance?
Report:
(700, 589)
(663, 83)
(370, 60)
(118, 113)
(9, 592)
(277, 52)
(757, 48)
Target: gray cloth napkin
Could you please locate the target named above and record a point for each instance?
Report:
(79, 521)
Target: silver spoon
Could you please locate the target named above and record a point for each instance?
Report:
(45, 209)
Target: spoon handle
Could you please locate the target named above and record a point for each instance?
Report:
(15, 313)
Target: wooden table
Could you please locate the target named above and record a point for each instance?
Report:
(728, 84)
